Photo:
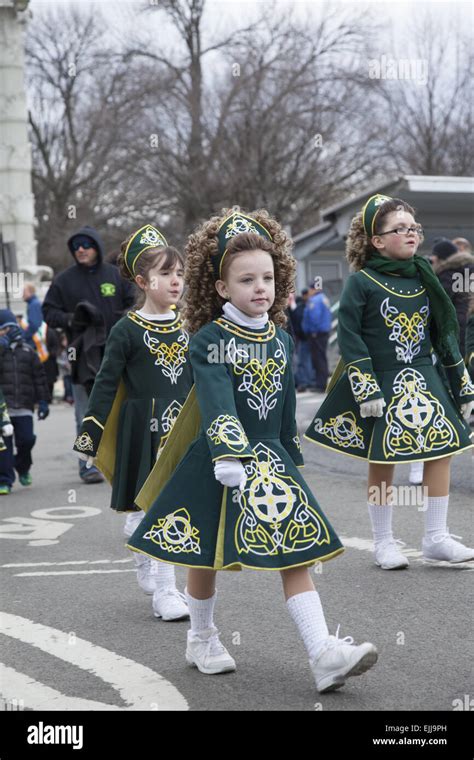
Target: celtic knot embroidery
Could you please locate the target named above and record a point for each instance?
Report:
(261, 381)
(170, 358)
(84, 442)
(407, 331)
(363, 384)
(175, 533)
(228, 431)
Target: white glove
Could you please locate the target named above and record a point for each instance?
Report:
(7, 430)
(466, 410)
(230, 472)
(372, 408)
(87, 459)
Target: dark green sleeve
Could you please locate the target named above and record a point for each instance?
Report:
(215, 394)
(355, 354)
(117, 351)
(289, 432)
(459, 380)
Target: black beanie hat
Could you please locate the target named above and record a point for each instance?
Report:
(443, 248)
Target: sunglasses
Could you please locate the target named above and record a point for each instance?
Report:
(82, 242)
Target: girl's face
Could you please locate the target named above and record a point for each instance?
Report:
(250, 282)
(163, 287)
(393, 245)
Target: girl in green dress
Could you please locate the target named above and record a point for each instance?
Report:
(142, 384)
(237, 498)
(387, 403)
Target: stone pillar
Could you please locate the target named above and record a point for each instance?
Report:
(17, 217)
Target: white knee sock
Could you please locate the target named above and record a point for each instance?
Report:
(132, 522)
(307, 613)
(164, 574)
(381, 521)
(436, 515)
(201, 611)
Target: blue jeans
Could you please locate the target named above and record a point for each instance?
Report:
(305, 374)
(24, 442)
(81, 402)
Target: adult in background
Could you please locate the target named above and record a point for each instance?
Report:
(85, 301)
(34, 315)
(454, 269)
(317, 326)
(305, 374)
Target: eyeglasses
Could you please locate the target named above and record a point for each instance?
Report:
(80, 242)
(404, 231)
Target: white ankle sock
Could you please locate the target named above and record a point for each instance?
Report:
(164, 574)
(201, 611)
(307, 613)
(436, 515)
(381, 521)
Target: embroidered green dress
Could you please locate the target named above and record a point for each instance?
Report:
(384, 338)
(245, 390)
(143, 382)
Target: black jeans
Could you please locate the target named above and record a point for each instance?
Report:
(318, 343)
(24, 442)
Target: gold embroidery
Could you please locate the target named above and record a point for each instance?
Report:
(84, 442)
(170, 358)
(416, 420)
(228, 431)
(276, 517)
(261, 381)
(363, 384)
(175, 533)
(342, 430)
(407, 331)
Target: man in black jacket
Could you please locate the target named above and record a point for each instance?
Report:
(97, 288)
(24, 384)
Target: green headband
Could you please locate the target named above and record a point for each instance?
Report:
(370, 211)
(143, 239)
(233, 225)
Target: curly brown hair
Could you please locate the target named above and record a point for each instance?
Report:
(144, 263)
(358, 246)
(202, 301)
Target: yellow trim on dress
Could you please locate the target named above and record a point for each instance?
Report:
(448, 366)
(241, 565)
(389, 290)
(93, 419)
(242, 333)
(380, 461)
(173, 326)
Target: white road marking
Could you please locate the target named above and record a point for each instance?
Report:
(140, 687)
(68, 562)
(72, 572)
(41, 697)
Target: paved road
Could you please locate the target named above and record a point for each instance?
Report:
(77, 632)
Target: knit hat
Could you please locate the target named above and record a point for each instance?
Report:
(443, 248)
(7, 318)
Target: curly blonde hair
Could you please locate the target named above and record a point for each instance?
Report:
(358, 246)
(202, 301)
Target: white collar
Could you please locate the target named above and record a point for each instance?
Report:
(237, 316)
(168, 315)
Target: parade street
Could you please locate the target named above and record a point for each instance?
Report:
(78, 633)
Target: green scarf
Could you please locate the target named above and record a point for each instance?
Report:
(445, 326)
